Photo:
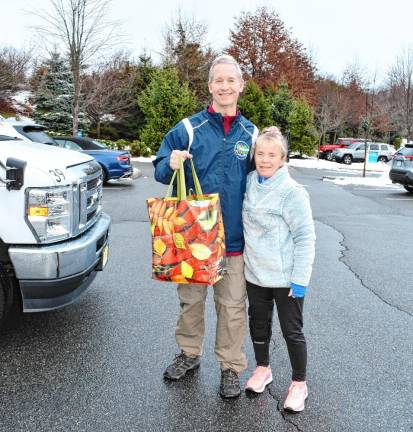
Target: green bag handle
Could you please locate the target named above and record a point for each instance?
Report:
(179, 174)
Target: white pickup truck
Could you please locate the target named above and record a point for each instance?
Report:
(53, 233)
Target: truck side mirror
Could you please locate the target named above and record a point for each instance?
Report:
(15, 173)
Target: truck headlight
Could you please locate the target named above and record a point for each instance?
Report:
(49, 212)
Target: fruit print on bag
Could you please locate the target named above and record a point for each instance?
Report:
(188, 242)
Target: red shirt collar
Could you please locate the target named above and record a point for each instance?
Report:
(226, 120)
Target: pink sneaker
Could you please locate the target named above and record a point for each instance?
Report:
(297, 394)
(261, 377)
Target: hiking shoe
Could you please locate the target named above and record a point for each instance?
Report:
(181, 365)
(261, 377)
(229, 387)
(297, 394)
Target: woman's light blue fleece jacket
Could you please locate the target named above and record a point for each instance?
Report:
(278, 230)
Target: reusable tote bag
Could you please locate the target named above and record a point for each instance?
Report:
(188, 243)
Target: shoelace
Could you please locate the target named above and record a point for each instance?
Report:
(296, 391)
(230, 377)
(179, 359)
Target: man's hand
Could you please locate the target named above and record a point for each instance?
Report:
(176, 155)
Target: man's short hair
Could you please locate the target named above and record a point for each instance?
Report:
(224, 59)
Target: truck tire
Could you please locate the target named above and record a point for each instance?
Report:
(329, 156)
(382, 159)
(6, 293)
(347, 159)
(2, 303)
(408, 188)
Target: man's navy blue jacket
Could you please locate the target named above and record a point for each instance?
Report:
(222, 163)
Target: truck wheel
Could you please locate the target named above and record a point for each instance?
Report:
(347, 159)
(408, 188)
(6, 293)
(2, 303)
(382, 159)
(329, 156)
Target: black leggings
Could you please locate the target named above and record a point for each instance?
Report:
(290, 313)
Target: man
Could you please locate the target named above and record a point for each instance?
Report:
(220, 140)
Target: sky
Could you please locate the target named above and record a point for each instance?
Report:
(336, 33)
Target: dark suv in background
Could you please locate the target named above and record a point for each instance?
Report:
(402, 167)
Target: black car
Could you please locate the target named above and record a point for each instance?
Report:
(402, 167)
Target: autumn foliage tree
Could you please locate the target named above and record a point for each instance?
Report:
(268, 53)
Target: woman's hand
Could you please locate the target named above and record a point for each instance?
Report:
(297, 290)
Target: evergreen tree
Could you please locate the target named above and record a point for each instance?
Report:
(165, 101)
(54, 96)
(254, 105)
(282, 103)
(301, 127)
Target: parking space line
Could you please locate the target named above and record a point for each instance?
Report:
(399, 199)
(390, 188)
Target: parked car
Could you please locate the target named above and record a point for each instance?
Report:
(402, 168)
(356, 152)
(116, 164)
(326, 150)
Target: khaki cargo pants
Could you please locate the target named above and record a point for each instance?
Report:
(230, 299)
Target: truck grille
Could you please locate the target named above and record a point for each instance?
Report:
(88, 196)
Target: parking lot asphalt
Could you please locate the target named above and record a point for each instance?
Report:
(97, 365)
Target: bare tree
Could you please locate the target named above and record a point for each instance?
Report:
(109, 90)
(332, 108)
(185, 48)
(82, 27)
(13, 68)
(401, 92)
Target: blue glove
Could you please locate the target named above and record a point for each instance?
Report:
(298, 290)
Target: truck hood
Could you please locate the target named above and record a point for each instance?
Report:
(43, 156)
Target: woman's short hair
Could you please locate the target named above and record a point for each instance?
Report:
(224, 59)
(272, 133)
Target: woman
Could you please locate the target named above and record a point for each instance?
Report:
(279, 253)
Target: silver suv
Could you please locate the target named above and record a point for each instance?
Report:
(381, 152)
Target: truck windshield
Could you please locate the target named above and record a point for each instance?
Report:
(37, 134)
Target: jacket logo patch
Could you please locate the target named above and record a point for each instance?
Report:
(241, 150)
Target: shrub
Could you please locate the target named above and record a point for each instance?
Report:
(122, 144)
(139, 148)
(397, 142)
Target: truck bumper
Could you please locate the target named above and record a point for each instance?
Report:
(53, 276)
